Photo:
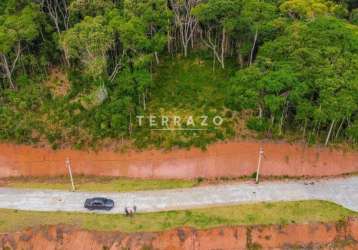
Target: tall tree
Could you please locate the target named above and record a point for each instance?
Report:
(89, 41)
(16, 30)
(309, 9)
(212, 16)
(184, 21)
(307, 76)
(58, 11)
(84, 8)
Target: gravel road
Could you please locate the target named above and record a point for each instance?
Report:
(343, 191)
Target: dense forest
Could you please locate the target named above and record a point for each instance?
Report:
(78, 73)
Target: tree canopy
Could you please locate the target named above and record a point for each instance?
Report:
(78, 72)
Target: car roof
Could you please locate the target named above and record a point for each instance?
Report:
(99, 199)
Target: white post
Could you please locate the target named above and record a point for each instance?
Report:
(261, 153)
(68, 165)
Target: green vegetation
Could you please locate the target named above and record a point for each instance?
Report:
(179, 90)
(98, 184)
(78, 73)
(306, 80)
(250, 214)
(122, 184)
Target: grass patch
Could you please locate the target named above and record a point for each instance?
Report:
(187, 87)
(98, 184)
(123, 184)
(249, 214)
(189, 83)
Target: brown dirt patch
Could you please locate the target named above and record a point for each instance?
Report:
(340, 235)
(222, 160)
(58, 82)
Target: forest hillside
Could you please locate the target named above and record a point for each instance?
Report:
(89, 73)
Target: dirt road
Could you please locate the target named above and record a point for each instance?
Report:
(343, 191)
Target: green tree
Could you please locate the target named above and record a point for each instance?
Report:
(89, 41)
(354, 17)
(151, 18)
(16, 29)
(92, 8)
(233, 21)
(255, 18)
(309, 9)
(213, 15)
(307, 76)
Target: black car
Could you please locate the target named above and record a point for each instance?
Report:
(99, 203)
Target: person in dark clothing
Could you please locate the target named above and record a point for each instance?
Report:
(130, 211)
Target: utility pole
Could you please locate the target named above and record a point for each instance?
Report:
(261, 154)
(68, 165)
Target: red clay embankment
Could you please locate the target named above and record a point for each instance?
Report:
(233, 159)
(340, 235)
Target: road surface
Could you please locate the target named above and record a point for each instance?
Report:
(343, 191)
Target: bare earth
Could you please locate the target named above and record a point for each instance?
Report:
(343, 191)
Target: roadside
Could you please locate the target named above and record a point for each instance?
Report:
(247, 214)
(96, 183)
(122, 184)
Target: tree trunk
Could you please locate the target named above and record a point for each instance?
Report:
(284, 111)
(144, 104)
(223, 40)
(253, 47)
(240, 60)
(260, 111)
(8, 71)
(304, 128)
(169, 41)
(329, 133)
(214, 58)
(185, 46)
(156, 57)
(340, 127)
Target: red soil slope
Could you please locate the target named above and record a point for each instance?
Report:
(232, 159)
(341, 235)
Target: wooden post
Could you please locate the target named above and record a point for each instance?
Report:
(68, 165)
(261, 154)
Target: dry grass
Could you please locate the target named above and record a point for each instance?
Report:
(58, 82)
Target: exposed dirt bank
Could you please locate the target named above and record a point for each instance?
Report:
(340, 235)
(232, 159)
